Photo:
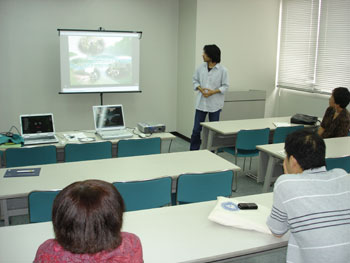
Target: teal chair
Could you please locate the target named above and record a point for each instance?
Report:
(16, 157)
(40, 205)
(280, 134)
(145, 194)
(246, 143)
(138, 147)
(341, 162)
(87, 151)
(193, 188)
(1, 158)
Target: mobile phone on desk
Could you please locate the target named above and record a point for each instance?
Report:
(247, 206)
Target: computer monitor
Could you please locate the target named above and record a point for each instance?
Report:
(108, 117)
(32, 124)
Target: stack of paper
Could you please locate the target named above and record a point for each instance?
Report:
(282, 124)
(74, 137)
(226, 212)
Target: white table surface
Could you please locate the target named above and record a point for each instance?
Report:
(57, 176)
(62, 141)
(335, 147)
(91, 133)
(233, 127)
(169, 234)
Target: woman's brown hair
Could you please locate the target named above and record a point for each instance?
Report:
(87, 217)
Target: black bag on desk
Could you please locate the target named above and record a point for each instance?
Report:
(303, 119)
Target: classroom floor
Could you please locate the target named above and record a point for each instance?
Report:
(246, 186)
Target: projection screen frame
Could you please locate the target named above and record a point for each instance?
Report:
(107, 31)
(100, 30)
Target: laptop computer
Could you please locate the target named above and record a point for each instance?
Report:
(110, 122)
(38, 129)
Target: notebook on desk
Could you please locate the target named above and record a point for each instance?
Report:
(110, 122)
(22, 172)
(38, 129)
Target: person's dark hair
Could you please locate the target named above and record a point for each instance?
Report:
(341, 96)
(87, 217)
(213, 51)
(307, 147)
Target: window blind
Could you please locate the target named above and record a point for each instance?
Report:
(333, 61)
(314, 45)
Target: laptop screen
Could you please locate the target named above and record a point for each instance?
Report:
(37, 124)
(108, 117)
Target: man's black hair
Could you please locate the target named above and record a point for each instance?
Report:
(341, 96)
(213, 52)
(307, 147)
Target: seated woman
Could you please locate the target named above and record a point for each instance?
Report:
(336, 120)
(87, 218)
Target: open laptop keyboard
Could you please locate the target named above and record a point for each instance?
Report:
(40, 140)
(116, 134)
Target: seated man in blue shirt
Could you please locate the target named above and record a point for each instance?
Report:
(311, 202)
(211, 82)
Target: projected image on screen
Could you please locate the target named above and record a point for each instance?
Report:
(99, 61)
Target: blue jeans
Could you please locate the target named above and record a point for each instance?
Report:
(196, 133)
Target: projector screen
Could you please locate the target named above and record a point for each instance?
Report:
(99, 61)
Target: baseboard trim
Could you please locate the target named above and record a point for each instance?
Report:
(181, 136)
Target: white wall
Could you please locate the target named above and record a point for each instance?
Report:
(246, 32)
(186, 66)
(291, 102)
(29, 59)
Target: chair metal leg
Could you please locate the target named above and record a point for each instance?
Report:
(4, 211)
(250, 165)
(171, 141)
(244, 164)
(235, 175)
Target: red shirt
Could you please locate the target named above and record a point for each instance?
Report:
(129, 251)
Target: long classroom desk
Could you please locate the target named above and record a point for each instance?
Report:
(272, 154)
(180, 233)
(221, 133)
(138, 168)
(62, 141)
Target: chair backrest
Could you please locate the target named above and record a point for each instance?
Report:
(1, 158)
(247, 140)
(40, 205)
(136, 147)
(281, 133)
(341, 162)
(193, 188)
(145, 194)
(16, 157)
(87, 151)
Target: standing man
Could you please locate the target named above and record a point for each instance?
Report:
(211, 82)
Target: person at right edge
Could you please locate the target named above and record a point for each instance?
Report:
(313, 204)
(211, 81)
(336, 120)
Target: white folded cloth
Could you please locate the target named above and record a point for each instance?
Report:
(226, 212)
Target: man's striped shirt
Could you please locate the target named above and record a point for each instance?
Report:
(315, 207)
